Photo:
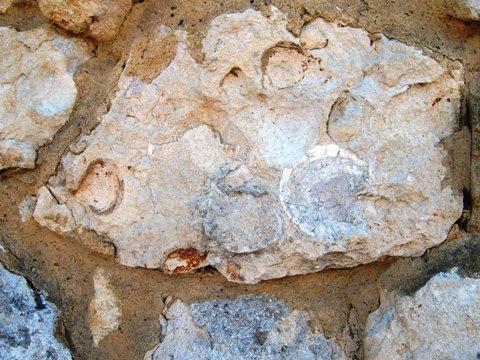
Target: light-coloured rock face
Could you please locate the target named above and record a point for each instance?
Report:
(253, 327)
(277, 156)
(103, 311)
(49, 213)
(27, 322)
(37, 91)
(26, 208)
(98, 19)
(440, 321)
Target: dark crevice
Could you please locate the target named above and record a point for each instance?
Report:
(467, 200)
(466, 118)
(470, 119)
(37, 297)
(464, 255)
(467, 208)
(69, 338)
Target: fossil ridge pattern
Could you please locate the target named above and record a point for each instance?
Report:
(278, 155)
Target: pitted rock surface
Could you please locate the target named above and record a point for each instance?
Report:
(27, 322)
(439, 321)
(4, 5)
(98, 19)
(37, 91)
(251, 327)
(278, 155)
(461, 9)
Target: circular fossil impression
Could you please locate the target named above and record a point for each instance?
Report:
(287, 64)
(233, 222)
(101, 189)
(320, 194)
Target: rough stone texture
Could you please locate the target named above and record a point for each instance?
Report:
(253, 327)
(37, 91)
(98, 19)
(4, 5)
(338, 301)
(277, 156)
(27, 322)
(439, 321)
(103, 312)
(474, 106)
(27, 207)
(49, 213)
(464, 9)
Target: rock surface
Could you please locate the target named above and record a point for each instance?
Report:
(278, 155)
(26, 208)
(27, 322)
(253, 327)
(103, 312)
(4, 5)
(440, 321)
(37, 91)
(98, 19)
(464, 9)
(49, 213)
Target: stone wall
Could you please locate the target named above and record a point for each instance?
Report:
(242, 179)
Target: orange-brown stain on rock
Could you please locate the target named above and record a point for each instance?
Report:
(184, 260)
(463, 28)
(232, 271)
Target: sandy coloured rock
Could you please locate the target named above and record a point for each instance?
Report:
(440, 321)
(4, 5)
(37, 91)
(460, 9)
(27, 322)
(278, 155)
(98, 19)
(250, 327)
(103, 311)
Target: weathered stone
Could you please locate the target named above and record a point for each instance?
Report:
(439, 321)
(49, 213)
(467, 10)
(276, 156)
(16, 153)
(462, 9)
(99, 19)
(103, 311)
(37, 91)
(27, 207)
(27, 322)
(252, 327)
(4, 5)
